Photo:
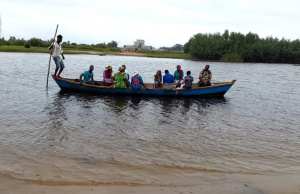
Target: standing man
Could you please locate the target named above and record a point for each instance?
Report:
(57, 52)
(205, 77)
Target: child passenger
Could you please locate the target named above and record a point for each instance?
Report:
(158, 79)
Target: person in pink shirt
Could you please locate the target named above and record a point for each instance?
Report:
(107, 76)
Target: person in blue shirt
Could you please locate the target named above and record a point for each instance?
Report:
(137, 81)
(168, 80)
(88, 76)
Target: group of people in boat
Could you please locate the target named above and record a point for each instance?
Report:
(118, 80)
(121, 79)
(178, 80)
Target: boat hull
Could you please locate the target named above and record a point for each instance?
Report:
(216, 91)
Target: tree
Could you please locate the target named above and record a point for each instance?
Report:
(177, 47)
(226, 35)
(2, 41)
(186, 47)
(251, 38)
(20, 42)
(207, 46)
(165, 48)
(112, 44)
(36, 42)
(12, 39)
(100, 45)
(27, 45)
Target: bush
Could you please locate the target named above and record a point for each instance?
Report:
(27, 45)
(232, 57)
(36, 42)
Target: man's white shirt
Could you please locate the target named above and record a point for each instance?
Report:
(57, 50)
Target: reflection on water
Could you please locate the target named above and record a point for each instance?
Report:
(105, 139)
(56, 110)
(119, 104)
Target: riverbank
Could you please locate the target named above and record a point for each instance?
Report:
(45, 50)
(154, 54)
(230, 183)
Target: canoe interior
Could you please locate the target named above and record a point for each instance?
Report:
(149, 85)
(216, 90)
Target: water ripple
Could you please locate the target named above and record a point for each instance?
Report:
(60, 138)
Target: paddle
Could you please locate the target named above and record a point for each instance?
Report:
(50, 56)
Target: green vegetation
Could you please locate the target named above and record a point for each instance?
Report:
(226, 47)
(232, 57)
(8, 48)
(176, 47)
(27, 45)
(237, 47)
(36, 45)
(166, 54)
(45, 50)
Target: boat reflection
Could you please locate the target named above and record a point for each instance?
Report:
(118, 104)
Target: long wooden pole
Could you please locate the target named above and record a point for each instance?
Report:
(50, 57)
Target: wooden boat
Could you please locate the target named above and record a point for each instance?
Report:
(217, 90)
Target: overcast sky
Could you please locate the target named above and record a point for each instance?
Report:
(158, 22)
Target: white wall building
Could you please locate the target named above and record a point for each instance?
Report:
(139, 44)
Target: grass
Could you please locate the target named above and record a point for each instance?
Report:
(23, 49)
(6, 48)
(93, 51)
(167, 54)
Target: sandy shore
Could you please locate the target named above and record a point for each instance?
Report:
(123, 53)
(128, 53)
(232, 184)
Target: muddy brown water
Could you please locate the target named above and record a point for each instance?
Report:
(66, 138)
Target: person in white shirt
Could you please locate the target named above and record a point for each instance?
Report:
(57, 53)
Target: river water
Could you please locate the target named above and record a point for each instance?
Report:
(62, 138)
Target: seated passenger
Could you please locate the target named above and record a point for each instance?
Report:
(178, 76)
(88, 76)
(137, 81)
(127, 74)
(120, 78)
(158, 79)
(205, 77)
(188, 80)
(125, 70)
(168, 81)
(107, 76)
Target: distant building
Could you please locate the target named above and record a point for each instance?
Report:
(139, 44)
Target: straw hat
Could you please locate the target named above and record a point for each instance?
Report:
(121, 68)
(108, 67)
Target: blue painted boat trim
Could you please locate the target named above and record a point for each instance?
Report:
(213, 91)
